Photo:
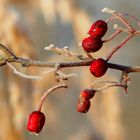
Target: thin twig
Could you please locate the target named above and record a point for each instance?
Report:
(22, 74)
(46, 93)
(122, 29)
(120, 46)
(104, 82)
(109, 86)
(117, 27)
(133, 17)
(128, 69)
(65, 51)
(120, 17)
(88, 55)
(65, 76)
(112, 36)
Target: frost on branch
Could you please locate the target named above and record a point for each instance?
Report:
(107, 10)
(65, 51)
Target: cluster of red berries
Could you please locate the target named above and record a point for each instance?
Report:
(93, 43)
(84, 100)
(98, 67)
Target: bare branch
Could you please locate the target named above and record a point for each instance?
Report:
(28, 62)
(22, 74)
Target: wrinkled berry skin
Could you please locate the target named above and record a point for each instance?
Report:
(92, 44)
(87, 94)
(36, 122)
(99, 67)
(83, 106)
(98, 29)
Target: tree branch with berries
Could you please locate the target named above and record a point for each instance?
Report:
(97, 66)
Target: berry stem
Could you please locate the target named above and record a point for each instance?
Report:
(109, 86)
(88, 54)
(120, 46)
(112, 36)
(45, 94)
(109, 19)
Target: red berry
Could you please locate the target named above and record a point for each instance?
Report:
(83, 106)
(87, 94)
(92, 44)
(98, 29)
(36, 121)
(98, 67)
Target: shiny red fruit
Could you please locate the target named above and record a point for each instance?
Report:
(99, 67)
(36, 121)
(98, 29)
(83, 106)
(92, 44)
(87, 94)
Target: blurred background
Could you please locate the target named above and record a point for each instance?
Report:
(26, 27)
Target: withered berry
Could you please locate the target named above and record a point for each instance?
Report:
(87, 94)
(92, 44)
(36, 121)
(99, 67)
(83, 106)
(98, 29)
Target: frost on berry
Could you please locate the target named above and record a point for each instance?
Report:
(98, 29)
(83, 106)
(87, 94)
(99, 67)
(92, 44)
(36, 122)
